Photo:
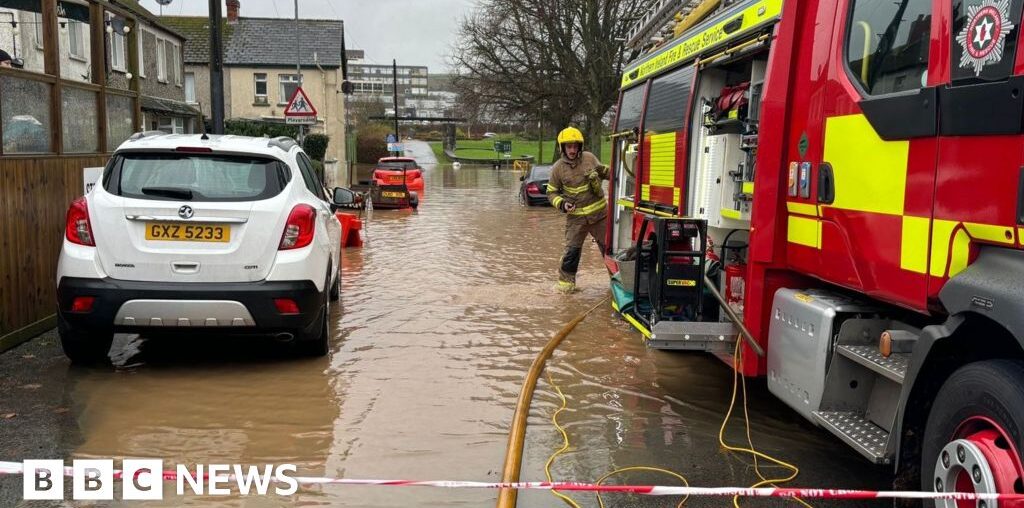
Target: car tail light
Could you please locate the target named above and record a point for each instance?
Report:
(82, 303)
(78, 229)
(298, 231)
(194, 149)
(532, 187)
(286, 306)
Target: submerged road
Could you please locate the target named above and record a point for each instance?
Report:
(441, 314)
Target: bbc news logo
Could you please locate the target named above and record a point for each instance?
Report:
(143, 479)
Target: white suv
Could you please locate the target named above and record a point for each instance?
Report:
(189, 234)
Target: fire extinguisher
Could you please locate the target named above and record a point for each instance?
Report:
(734, 286)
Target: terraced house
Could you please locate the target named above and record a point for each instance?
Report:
(260, 56)
(88, 74)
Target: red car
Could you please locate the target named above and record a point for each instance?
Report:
(398, 171)
(394, 182)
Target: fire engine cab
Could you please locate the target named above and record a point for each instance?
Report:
(834, 190)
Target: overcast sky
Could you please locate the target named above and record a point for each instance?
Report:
(416, 32)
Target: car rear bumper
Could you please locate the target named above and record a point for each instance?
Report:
(243, 307)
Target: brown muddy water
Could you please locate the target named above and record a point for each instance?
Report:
(442, 312)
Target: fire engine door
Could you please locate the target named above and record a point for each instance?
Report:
(979, 172)
(871, 190)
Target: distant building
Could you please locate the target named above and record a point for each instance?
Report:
(260, 56)
(374, 81)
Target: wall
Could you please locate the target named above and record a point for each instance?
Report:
(150, 85)
(202, 73)
(322, 89)
(36, 190)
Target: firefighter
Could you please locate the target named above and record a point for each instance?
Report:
(575, 189)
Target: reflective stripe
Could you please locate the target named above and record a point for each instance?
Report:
(942, 233)
(804, 231)
(870, 173)
(961, 252)
(551, 188)
(802, 208)
(577, 190)
(591, 208)
(557, 201)
(914, 244)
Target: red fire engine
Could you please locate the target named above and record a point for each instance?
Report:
(845, 178)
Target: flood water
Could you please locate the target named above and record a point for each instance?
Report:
(442, 312)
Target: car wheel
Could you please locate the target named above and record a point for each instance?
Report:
(336, 287)
(973, 436)
(414, 200)
(84, 348)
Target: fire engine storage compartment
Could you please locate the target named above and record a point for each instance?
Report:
(723, 150)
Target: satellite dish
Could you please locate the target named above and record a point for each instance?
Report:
(164, 2)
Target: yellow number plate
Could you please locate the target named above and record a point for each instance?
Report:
(393, 194)
(182, 232)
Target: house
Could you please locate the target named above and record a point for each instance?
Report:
(260, 74)
(91, 75)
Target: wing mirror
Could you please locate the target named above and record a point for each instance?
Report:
(343, 196)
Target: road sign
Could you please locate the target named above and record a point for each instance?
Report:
(395, 147)
(300, 120)
(299, 106)
(90, 177)
(503, 146)
(392, 138)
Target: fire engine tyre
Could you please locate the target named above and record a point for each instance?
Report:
(975, 431)
(84, 348)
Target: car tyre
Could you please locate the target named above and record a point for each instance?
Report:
(414, 200)
(84, 348)
(335, 294)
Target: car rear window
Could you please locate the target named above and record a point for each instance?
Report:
(196, 177)
(396, 165)
(540, 172)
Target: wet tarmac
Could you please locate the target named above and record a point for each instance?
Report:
(442, 313)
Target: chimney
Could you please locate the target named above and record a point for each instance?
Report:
(233, 6)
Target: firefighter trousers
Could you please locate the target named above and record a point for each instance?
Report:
(577, 227)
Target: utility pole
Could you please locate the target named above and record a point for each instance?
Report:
(394, 80)
(298, 54)
(216, 69)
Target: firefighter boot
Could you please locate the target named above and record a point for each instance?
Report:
(567, 269)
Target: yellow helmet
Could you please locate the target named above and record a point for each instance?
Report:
(570, 135)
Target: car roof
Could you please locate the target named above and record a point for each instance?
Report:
(160, 141)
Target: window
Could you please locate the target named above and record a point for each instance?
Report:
(632, 106)
(75, 40)
(205, 177)
(25, 114)
(984, 45)
(289, 83)
(887, 44)
(310, 177)
(260, 91)
(117, 51)
(141, 51)
(79, 119)
(171, 125)
(38, 22)
(161, 61)
(174, 61)
(669, 100)
(190, 87)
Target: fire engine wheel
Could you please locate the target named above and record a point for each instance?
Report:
(974, 433)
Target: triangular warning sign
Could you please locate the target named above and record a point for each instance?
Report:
(299, 105)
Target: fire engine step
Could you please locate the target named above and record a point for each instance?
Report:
(894, 367)
(713, 337)
(865, 437)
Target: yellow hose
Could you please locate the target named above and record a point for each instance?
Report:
(517, 433)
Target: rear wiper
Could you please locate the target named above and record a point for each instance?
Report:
(168, 192)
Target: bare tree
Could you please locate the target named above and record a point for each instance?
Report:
(558, 61)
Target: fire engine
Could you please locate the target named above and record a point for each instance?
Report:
(834, 189)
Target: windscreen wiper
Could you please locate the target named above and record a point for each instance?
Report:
(168, 192)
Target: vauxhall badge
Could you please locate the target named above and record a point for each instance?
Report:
(984, 36)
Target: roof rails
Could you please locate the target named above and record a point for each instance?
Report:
(283, 142)
(145, 134)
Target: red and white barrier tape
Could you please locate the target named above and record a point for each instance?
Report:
(647, 490)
